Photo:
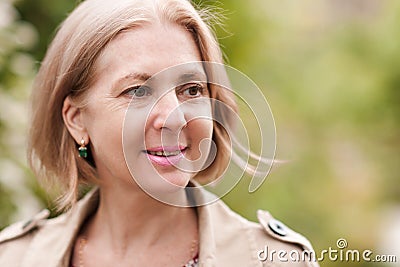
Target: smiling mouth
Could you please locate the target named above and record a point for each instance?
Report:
(165, 153)
(166, 156)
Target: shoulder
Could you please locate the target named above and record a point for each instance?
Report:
(269, 241)
(16, 238)
(22, 229)
(288, 246)
(25, 243)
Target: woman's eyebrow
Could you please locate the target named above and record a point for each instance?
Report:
(133, 76)
(197, 76)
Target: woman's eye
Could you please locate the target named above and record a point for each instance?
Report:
(138, 91)
(193, 90)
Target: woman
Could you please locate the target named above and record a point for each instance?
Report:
(113, 60)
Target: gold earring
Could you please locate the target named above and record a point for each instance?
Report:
(83, 150)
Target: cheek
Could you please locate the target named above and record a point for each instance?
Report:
(104, 128)
(103, 119)
(133, 133)
(202, 128)
(199, 116)
(106, 139)
(200, 132)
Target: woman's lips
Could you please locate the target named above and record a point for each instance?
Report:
(166, 155)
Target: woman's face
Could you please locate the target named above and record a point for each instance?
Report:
(155, 121)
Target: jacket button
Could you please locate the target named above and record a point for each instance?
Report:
(277, 227)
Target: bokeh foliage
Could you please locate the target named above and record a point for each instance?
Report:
(331, 72)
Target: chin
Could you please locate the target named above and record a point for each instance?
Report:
(176, 180)
(163, 183)
(169, 189)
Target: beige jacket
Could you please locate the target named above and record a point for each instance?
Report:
(226, 239)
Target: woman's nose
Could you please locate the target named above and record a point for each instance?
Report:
(168, 113)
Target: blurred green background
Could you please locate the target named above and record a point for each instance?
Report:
(330, 70)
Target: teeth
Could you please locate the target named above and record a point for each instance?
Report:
(165, 153)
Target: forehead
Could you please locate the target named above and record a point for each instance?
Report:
(149, 48)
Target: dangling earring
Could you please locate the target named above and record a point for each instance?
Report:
(83, 150)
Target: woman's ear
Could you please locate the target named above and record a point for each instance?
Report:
(72, 116)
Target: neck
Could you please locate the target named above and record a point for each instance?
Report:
(128, 218)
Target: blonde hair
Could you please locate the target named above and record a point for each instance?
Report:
(67, 70)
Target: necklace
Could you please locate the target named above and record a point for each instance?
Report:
(193, 252)
(82, 246)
